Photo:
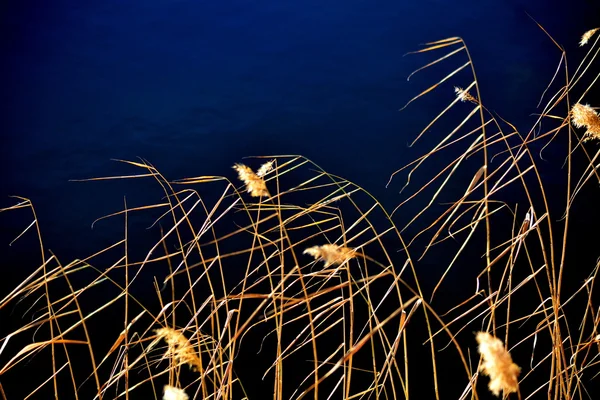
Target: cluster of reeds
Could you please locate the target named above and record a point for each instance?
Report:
(296, 283)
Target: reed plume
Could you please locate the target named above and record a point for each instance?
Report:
(587, 36)
(497, 364)
(584, 116)
(464, 95)
(173, 393)
(331, 253)
(255, 184)
(179, 347)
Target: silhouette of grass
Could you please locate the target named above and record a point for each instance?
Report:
(299, 284)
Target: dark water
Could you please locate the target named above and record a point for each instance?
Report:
(194, 86)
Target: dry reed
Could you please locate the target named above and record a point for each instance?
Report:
(497, 364)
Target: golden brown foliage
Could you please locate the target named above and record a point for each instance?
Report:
(173, 393)
(331, 253)
(464, 95)
(584, 116)
(497, 364)
(587, 36)
(179, 348)
(255, 184)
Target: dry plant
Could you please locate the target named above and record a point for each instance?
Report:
(523, 285)
(229, 300)
(585, 38)
(227, 274)
(498, 365)
(584, 116)
(255, 184)
(330, 253)
(173, 393)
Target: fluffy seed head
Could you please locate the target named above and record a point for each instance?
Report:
(497, 364)
(587, 36)
(265, 168)
(173, 393)
(331, 253)
(255, 184)
(584, 116)
(179, 347)
(463, 95)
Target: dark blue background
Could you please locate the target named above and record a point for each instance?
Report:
(193, 86)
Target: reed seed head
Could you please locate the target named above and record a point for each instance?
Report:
(587, 36)
(464, 95)
(584, 116)
(173, 393)
(255, 184)
(331, 253)
(179, 347)
(497, 364)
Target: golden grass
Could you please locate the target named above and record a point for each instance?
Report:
(235, 274)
